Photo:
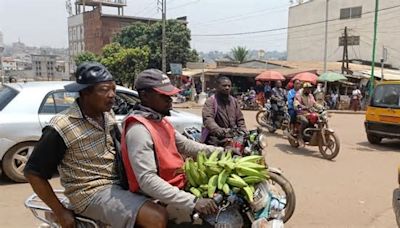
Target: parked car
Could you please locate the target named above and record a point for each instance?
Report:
(25, 108)
(382, 119)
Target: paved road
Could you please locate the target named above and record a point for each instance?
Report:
(355, 190)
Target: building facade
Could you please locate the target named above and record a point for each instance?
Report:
(44, 67)
(306, 32)
(92, 30)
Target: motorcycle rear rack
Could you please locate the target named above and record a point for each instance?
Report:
(42, 212)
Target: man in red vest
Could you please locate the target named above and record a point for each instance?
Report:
(152, 149)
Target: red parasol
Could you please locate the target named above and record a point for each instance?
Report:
(270, 75)
(306, 77)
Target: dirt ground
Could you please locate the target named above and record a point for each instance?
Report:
(354, 190)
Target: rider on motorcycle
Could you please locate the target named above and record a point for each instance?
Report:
(303, 104)
(291, 97)
(221, 113)
(278, 99)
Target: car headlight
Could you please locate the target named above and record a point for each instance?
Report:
(262, 140)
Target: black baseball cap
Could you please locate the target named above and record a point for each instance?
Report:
(88, 74)
(156, 80)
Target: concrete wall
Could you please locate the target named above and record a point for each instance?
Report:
(307, 42)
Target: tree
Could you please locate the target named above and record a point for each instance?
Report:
(177, 42)
(240, 54)
(125, 63)
(85, 57)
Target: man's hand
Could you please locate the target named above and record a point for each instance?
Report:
(206, 206)
(66, 218)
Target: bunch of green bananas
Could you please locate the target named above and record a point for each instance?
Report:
(224, 173)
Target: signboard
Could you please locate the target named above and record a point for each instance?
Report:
(176, 68)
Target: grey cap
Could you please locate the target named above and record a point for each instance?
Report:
(157, 80)
(88, 74)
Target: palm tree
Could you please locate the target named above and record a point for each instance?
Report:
(240, 54)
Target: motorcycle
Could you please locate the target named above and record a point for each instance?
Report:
(248, 101)
(253, 143)
(317, 133)
(264, 117)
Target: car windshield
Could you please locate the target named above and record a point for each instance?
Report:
(386, 96)
(6, 95)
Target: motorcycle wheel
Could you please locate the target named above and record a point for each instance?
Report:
(331, 150)
(262, 120)
(286, 187)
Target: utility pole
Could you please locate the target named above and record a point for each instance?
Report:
(163, 45)
(326, 43)
(345, 52)
(372, 79)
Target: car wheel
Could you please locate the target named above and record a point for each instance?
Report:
(15, 160)
(374, 139)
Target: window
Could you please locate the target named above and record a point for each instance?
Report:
(386, 96)
(57, 101)
(351, 41)
(350, 13)
(6, 96)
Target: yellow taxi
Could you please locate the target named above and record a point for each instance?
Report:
(383, 112)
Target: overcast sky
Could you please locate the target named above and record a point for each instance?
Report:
(44, 22)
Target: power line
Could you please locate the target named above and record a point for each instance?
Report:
(290, 27)
(184, 5)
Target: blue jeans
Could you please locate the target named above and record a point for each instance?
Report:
(293, 115)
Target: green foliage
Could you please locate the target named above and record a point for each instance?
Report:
(86, 57)
(125, 63)
(140, 35)
(240, 54)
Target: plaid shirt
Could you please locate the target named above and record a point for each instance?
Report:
(88, 163)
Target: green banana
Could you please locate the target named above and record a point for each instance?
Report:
(226, 189)
(200, 160)
(248, 193)
(249, 171)
(212, 186)
(214, 156)
(252, 165)
(188, 175)
(194, 172)
(222, 178)
(204, 187)
(253, 179)
(211, 163)
(203, 177)
(196, 192)
(236, 181)
(251, 158)
(252, 188)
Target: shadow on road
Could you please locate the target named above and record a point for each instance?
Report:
(298, 151)
(385, 146)
(6, 181)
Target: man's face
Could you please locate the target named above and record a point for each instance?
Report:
(278, 84)
(225, 87)
(158, 102)
(307, 91)
(297, 85)
(102, 96)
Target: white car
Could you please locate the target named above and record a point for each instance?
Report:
(25, 108)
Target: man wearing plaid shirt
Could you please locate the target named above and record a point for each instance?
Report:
(78, 142)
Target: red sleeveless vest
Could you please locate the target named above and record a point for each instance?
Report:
(169, 161)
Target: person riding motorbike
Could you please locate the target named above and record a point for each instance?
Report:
(303, 104)
(278, 100)
(291, 97)
(221, 113)
(79, 143)
(152, 149)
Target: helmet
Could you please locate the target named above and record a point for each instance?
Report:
(312, 118)
(307, 85)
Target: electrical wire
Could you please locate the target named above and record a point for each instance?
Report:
(289, 27)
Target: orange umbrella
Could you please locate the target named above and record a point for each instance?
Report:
(270, 75)
(306, 77)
